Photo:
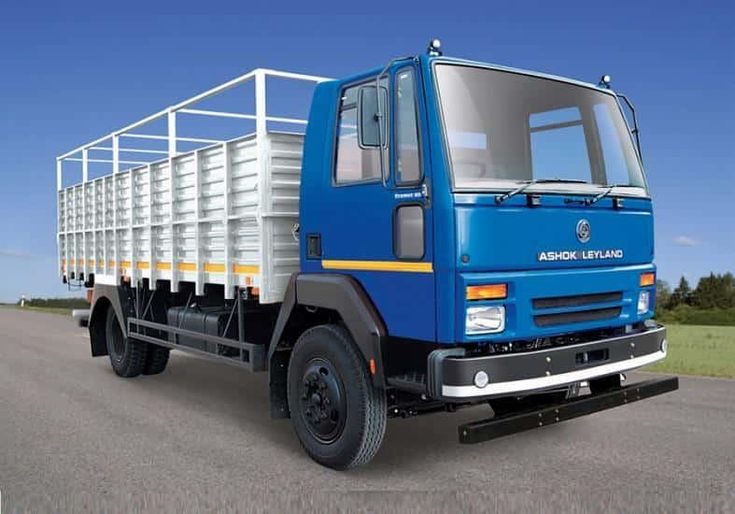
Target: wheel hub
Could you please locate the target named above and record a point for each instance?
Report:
(323, 400)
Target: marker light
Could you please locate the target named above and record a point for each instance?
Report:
(644, 301)
(487, 292)
(485, 320)
(648, 279)
(604, 81)
(435, 47)
(481, 379)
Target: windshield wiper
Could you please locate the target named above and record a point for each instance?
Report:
(529, 183)
(610, 188)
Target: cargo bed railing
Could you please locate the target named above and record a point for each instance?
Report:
(160, 143)
(258, 76)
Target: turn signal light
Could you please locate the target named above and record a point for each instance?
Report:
(491, 292)
(648, 279)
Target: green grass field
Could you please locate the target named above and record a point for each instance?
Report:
(699, 350)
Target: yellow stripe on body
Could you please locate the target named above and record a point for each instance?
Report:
(410, 267)
(208, 267)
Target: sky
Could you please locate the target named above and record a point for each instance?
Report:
(73, 71)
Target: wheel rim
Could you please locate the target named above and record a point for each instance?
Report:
(322, 401)
(117, 339)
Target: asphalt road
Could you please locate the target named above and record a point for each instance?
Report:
(75, 437)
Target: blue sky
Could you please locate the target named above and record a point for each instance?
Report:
(70, 72)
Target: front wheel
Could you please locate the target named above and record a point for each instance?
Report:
(337, 413)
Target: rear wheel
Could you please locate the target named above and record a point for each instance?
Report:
(337, 413)
(156, 359)
(127, 356)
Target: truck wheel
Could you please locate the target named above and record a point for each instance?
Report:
(127, 356)
(337, 413)
(156, 359)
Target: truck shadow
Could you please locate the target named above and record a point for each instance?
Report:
(235, 396)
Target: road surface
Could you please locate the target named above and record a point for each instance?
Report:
(75, 437)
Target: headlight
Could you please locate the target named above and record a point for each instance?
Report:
(644, 298)
(485, 320)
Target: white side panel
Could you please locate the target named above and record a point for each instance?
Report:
(211, 216)
(281, 214)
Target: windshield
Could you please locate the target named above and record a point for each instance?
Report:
(504, 128)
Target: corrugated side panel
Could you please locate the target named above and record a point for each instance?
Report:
(214, 215)
(281, 214)
(243, 205)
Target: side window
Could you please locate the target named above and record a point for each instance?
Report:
(408, 158)
(353, 164)
(558, 145)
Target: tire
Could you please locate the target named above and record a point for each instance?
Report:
(156, 359)
(604, 384)
(337, 413)
(127, 356)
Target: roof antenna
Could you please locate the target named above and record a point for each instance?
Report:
(434, 48)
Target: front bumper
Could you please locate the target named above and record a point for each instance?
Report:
(451, 374)
(483, 430)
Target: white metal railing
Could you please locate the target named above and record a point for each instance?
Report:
(261, 118)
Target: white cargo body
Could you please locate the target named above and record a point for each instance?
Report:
(225, 213)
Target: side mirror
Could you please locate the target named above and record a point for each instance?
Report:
(369, 131)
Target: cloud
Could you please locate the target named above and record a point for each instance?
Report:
(685, 241)
(15, 254)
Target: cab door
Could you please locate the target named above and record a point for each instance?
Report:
(381, 221)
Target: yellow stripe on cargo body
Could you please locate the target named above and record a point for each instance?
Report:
(213, 267)
(244, 269)
(410, 267)
(208, 267)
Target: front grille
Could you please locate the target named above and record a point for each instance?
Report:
(577, 300)
(550, 320)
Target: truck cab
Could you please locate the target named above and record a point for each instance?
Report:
(484, 208)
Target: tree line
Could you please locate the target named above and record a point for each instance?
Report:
(56, 303)
(712, 301)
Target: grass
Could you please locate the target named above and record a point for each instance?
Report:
(699, 350)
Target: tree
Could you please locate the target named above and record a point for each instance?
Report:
(715, 292)
(682, 294)
(663, 293)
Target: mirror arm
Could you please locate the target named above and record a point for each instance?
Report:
(635, 129)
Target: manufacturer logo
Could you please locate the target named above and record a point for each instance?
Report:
(580, 255)
(584, 231)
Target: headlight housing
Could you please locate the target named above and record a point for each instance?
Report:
(485, 320)
(644, 302)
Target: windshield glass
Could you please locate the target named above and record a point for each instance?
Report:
(504, 128)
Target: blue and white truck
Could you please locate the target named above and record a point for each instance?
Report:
(438, 234)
